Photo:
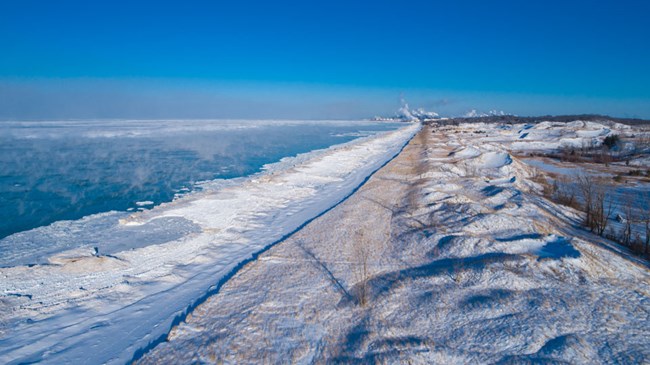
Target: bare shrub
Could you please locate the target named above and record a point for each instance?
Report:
(628, 211)
(643, 142)
(361, 251)
(597, 204)
(568, 155)
(548, 189)
(602, 209)
(586, 186)
(604, 156)
(646, 223)
(565, 194)
(593, 197)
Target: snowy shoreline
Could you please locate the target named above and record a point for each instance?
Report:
(92, 307)
(466, 263)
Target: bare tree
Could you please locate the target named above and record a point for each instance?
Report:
(628, 211)
(598, 206)
(646, 223)
(605, 156)
(602, 209)
(644, 142)
(564, 192)
(586, 186)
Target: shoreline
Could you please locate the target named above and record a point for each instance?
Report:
(451, 247)
(215, 289)
(320, 227)
(82, 300)
(195, 158)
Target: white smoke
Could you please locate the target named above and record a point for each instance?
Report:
(419, 114)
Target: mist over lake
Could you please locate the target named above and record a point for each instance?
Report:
(55, 171)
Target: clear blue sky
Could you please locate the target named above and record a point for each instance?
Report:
(321, 59)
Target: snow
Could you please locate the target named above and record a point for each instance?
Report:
(467, 263)
(104, 305)
(468, 152)
(553, 135)
(492, 160)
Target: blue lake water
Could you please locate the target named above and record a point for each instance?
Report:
(51, 171)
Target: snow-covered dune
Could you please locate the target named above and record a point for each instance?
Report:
(104, 306)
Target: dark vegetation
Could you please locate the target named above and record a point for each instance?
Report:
(612, 141)
(595, 198)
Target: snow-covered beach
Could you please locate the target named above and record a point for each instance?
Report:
(324, 182)
(464, 262)
(89, 306)
(445, 252)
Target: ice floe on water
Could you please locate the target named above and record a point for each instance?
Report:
(144, 203)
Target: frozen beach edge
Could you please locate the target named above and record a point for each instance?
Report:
(215, 289)
(467, 264)
(110, 308)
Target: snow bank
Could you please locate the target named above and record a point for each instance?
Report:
(493, 160)
(543, 136)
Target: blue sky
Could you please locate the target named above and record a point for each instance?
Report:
(330, 59)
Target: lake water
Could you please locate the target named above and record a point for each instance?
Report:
(52, 171)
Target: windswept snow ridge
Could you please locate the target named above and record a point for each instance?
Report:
(103, 306)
